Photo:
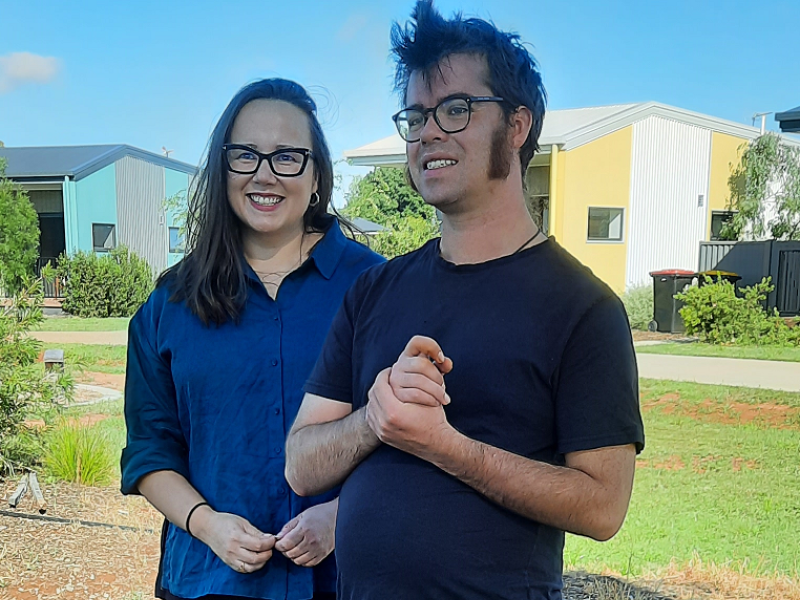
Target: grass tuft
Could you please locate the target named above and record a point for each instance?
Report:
(79, 454)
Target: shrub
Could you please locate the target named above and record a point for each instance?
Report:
(19, 235)
(24, 386)
(108, 285)
(638, 303)
(79, 454)
(720, 316)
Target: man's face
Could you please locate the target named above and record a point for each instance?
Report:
(449, 167)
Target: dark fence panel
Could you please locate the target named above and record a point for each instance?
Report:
(786, 266)
(753, 261)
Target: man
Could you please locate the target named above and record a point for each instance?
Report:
(465, 490)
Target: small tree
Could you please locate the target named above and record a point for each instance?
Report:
(19, 235)
(24, 387)
(384, 197)
(114, 284)
(765, 191)
(177, 206)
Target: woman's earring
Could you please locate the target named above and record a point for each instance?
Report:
(314, 199)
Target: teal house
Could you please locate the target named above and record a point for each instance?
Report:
(94, 198)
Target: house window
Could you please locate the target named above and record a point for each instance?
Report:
(719, 218)
(104, 237)
(605, 224)
(177, 244)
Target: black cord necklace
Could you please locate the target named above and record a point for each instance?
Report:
(517, 251)
(535, 235)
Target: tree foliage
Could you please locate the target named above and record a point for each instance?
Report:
(721, 316)
(113, 284)
(384, 197)
(24, 387)
(765, 191)
(19, 235)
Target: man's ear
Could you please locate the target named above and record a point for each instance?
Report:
(521, 122)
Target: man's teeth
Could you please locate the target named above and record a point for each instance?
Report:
(265, 200)
(438, 164)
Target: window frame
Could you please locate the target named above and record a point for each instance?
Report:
(606, 240)
(726, 213)
(95, 247)
(181, 247)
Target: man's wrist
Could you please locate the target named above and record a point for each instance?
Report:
(447, 446)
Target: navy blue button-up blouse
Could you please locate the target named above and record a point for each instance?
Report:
(215, 404)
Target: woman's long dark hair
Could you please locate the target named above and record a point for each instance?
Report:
(211, 278)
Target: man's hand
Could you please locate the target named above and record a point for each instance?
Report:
(418, 375)
(409, 426)
(238, 544)
(308, 538)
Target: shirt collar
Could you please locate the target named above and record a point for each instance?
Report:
(329, 249)
(325, 255)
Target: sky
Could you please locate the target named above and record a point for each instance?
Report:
(156, 74)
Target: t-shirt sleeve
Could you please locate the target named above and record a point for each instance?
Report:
(597, 386)
(155, 441)
(332, 376)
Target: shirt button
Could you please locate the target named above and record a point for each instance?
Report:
(277, 450)
(277, 411)
(282, 490)
(275, 318)
(274, 362)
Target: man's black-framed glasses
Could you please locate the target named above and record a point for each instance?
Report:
(451, 115)
(286, 162)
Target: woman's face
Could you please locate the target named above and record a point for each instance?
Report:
(267, 204)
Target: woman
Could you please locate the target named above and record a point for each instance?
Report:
(218, 355)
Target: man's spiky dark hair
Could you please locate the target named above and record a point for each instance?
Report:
(423, 43)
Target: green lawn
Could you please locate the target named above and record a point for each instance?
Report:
(79, 324)
(727, 493)
(781, 353)
(93, 357)
(711, 485)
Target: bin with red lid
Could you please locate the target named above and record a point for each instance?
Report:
(667, 283)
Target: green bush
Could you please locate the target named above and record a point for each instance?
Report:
(79, 454)
(115, 284)
(721, 316)
(638, 303)
(19, 235)
(24, 386)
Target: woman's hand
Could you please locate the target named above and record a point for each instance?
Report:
(308, 538)
(237, 543)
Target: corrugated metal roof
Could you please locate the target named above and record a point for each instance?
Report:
(789, 120)
(558, 124)
(570, 128)
(76, 161)
(792, 113)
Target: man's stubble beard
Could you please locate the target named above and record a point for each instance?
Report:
(501, 154)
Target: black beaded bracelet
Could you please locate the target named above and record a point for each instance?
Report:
(189, 516)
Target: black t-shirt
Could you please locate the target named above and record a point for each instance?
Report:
(543, 365)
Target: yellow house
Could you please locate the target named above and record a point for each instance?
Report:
(627, 189)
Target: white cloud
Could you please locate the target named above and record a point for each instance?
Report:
(351, 27)
(19, 68)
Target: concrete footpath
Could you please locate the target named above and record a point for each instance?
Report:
(767, 374)
(738, 372)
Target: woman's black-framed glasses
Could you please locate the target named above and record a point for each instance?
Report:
(451, 115)
(286, 162)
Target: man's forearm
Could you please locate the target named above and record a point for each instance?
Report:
(563, 497)
(321, 456)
